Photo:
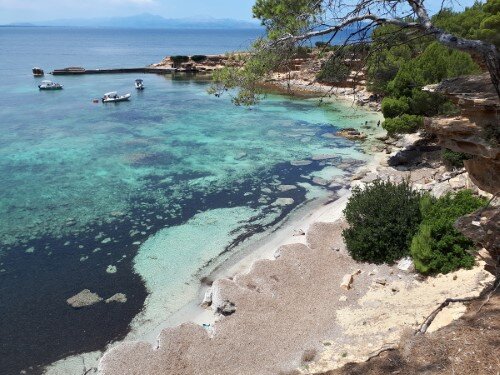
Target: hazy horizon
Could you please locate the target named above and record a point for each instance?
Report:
(144, 20)
(35, 11)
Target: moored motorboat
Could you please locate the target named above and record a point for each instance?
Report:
(139, 84)
(113, 97)
(49, 85)
(37, 72)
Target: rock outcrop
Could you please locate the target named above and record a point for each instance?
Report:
(475, 131)
(83, 299)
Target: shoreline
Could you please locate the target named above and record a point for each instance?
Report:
(247, 260)
(260, 246)
(416, 298)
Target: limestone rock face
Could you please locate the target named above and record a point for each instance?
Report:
(483, 227)
(476, 131)
(485, 173)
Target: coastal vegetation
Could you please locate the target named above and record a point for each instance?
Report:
(198, 58)
(332, 72)
(454, 159)
(406, 51)
(178, 60)
(403, 124)
(399, 72)
(382, 221)
(438, 247)
(389, 221)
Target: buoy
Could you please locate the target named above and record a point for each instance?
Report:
(95, 100)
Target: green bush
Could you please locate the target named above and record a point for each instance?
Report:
(382, 221)
(178, 60)
(403, 124)
(302, 52)
(392, 107)
(333, 71)
(320, 44)
(448, 109)
(454, 159)
(198, 58)
(425, 103)
(438, 247)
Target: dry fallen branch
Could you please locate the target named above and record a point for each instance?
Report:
(385, 348)
(496, 284)
(490, 290)
(425, 325)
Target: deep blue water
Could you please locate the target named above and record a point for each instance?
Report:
(157, 187)
(56, 47)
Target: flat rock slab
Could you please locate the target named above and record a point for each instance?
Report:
(286, 187)
(324, 157)
(300, 163)
(283, 202)
(83, 299)
(118, 297)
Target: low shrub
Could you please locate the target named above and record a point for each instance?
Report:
(198, 58)
(320, 44)
(438, 247)
(392, 107)
(178, 60)
(403, 124)
(382, 221)
(302, 52)
(333, 71)
(454, 159)
(448, 109)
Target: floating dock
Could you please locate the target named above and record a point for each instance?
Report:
(81, 71)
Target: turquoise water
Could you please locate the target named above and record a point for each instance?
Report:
(66, 159)
(157, 187)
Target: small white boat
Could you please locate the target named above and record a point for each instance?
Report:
(139, 84)
(113, 97)
(49, 85)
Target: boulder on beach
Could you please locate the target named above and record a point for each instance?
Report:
(226, 308)
(83, 299)
(346, 282)
(207, 299)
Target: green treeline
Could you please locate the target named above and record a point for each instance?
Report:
(402, 62)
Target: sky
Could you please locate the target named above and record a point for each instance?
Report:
(43, 10)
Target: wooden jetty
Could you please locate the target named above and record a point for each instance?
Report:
(81, 71)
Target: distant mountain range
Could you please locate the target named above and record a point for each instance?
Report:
(148, 21)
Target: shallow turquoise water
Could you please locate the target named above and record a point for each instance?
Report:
(157, 187)
(67, 159)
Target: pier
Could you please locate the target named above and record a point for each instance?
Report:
(81, 71)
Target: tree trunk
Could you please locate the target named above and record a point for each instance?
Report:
(487, 51)
(493, 64)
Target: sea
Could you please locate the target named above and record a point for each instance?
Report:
(143, 197)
